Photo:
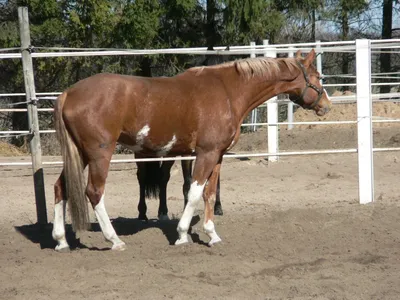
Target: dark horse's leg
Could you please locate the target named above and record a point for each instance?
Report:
(187, 179)
(164, 178)
(218, 206)
(153, 179)
(148, 177)
(141, 176)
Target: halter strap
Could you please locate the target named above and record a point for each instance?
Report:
(320, 91)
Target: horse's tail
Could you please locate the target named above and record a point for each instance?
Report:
(73, 170)
(152, 179)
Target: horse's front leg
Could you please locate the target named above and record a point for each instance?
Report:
(209, 197)
(204, 165)
(187, 180)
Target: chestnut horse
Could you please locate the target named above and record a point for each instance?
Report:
(153, 179)
(198, 112)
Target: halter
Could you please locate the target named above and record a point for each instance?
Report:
(320, 91)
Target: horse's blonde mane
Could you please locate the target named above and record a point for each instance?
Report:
(264, 66)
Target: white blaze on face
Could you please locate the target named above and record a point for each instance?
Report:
(165, 149)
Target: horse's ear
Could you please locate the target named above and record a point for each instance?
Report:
(309, 58)
(298, 54)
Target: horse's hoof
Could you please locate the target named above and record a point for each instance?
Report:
(119, 247)
(62, 249)
(143, 218)
(163, 217)
(218, 211)
(181, 241)
(214, 241)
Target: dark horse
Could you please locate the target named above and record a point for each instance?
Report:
(153, 179)
(198, 112)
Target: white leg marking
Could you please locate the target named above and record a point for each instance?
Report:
(59, 227)
(209, 228)
(106, 226)
(165, 149)
(195, 193)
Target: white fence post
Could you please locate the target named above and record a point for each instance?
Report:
(290, 116)
(254, 111)
(272, 113)
(364, 122)
(319, 58)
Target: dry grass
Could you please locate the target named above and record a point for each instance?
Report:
(7, 149)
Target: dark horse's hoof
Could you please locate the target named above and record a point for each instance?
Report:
(143, 218)
(218, 210)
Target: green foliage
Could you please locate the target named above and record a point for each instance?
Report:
(251, 20)
(138, 24)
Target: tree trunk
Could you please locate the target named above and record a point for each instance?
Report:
(211, 26)
(313, 37)
(387, 12)
(145, 67)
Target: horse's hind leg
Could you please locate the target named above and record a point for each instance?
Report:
(59, 215)
(98, 170)
(165, 176)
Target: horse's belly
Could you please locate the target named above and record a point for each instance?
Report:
(152, 147)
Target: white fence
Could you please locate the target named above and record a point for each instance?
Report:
(363, 98)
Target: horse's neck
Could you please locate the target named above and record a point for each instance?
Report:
(256, 91)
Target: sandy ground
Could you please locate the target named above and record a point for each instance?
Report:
(290, 230)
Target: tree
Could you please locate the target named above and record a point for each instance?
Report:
(251, 20)
(387, 15)
(344, 13)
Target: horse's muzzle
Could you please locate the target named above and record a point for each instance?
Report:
(323, 110)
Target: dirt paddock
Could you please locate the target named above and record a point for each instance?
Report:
(290, 230)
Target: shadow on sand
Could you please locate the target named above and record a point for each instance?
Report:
(41, 234)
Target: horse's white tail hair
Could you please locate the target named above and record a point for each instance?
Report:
(73, 170)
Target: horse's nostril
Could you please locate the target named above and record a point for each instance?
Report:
(327, 109)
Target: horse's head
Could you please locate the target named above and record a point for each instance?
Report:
(308, 91)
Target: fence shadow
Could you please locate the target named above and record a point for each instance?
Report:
(42, 234)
